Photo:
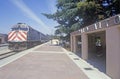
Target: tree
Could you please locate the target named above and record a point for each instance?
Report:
(86, 12)
(65, 15)
(75, 14)
(107, 8)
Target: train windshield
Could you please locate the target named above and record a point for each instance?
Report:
(22, 27)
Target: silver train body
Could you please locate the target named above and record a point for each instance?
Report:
(23, 36)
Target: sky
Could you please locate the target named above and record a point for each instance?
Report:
(29, 12)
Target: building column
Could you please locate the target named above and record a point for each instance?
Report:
(71, 42)
(74, 44)
(84, 38)
(113, 52)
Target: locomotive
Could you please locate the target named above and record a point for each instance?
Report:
(23, 36)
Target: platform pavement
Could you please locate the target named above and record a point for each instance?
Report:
(47, 62)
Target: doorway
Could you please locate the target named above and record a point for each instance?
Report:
(78, 45)
(97, 50)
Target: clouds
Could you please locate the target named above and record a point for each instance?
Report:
(30, 14)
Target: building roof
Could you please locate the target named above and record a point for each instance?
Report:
(109, 22)
(1, 35)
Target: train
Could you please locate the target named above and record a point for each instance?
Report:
(23, 36)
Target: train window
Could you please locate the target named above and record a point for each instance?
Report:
(25, 29)
(15, 29)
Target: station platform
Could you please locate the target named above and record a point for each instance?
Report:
(47, 61)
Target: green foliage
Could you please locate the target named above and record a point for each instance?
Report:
(86, 12)
(75, 14)
(75, 27)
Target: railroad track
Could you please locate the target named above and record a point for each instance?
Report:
(3, 45)
(7, 54)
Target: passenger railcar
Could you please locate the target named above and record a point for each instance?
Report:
(23, 36)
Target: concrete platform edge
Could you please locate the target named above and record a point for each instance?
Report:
(82, 64)
(17, 56)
